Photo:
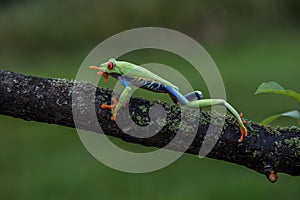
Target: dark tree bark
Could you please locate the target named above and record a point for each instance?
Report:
(266, 149)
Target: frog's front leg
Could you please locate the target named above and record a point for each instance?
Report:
(115, 107)
(112, 107)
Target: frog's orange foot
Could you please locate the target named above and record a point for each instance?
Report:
(243, 131)
(100, 73)
(243, 134)
(105, 106)
(113, 118)
(111, 107)
(94, 67)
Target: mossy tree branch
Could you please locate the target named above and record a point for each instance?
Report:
(266, 149)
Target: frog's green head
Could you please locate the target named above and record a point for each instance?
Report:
(108, 68)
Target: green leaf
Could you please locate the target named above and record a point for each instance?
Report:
(273, 87)
(292, 114)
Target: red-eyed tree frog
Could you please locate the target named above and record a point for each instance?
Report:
(131, 74)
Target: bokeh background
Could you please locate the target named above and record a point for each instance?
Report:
(250, 41)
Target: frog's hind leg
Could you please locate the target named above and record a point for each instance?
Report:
(210, 102)
(194, 95)
(174, 99)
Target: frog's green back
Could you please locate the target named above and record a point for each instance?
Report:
(135, 71)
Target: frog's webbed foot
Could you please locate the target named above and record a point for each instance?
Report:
(111, 107)
(243, 130)
(100, 73)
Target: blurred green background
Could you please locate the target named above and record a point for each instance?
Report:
(250, 41)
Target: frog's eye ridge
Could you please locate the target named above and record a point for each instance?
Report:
(110, 65)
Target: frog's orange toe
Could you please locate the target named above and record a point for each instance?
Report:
(241, 115)
(243, 131)
(94, 67)
(105, 106)
(111, 107)
(99, 73)
(243, 134)
(113, 118)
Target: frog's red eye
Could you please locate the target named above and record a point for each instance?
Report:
(110, 65)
